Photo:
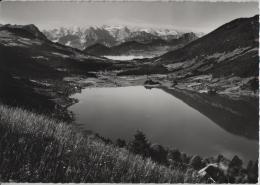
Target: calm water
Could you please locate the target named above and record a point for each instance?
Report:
(126, 57)
(166, 120)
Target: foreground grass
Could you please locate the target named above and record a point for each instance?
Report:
(34, 148)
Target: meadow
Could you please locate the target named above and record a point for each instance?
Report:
(36, 148)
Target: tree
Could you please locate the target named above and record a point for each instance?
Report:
(158, 153)
(234, 168)
(174, 155)
(140, 145)
(252, 171)
(236, 162)
(249, 165)
(120, 143)
(196, 162)
(215, 173)
(184, 158)
(105, 140)
(220, 158)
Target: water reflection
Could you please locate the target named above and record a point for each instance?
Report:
(237, 116)
(193, 123)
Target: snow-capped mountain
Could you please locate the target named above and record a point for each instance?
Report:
(140, 44)
(109, 36)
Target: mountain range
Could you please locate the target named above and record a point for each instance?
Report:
(150, 48)
(110, 36)
(230, 49)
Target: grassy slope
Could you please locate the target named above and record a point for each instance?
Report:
(35, 148)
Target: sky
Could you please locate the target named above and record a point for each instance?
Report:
(193, 16)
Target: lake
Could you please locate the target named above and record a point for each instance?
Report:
(193, 123)
(127, 57)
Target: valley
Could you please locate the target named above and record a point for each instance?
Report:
(166, 83)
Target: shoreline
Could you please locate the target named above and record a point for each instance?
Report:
(110, 79)
(139, 81)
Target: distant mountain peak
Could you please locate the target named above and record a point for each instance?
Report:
(109, 35)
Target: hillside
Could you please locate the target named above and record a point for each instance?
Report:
(230, 49)
(153, 46)
(50, 151)
(18, 43)
(223, 61)
(97, 49)
(46, 150)
(34, 68)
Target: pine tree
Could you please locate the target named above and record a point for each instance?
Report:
(120, 143)
(196, 162)
(140, 145)
(158, 153)
(174, 155)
